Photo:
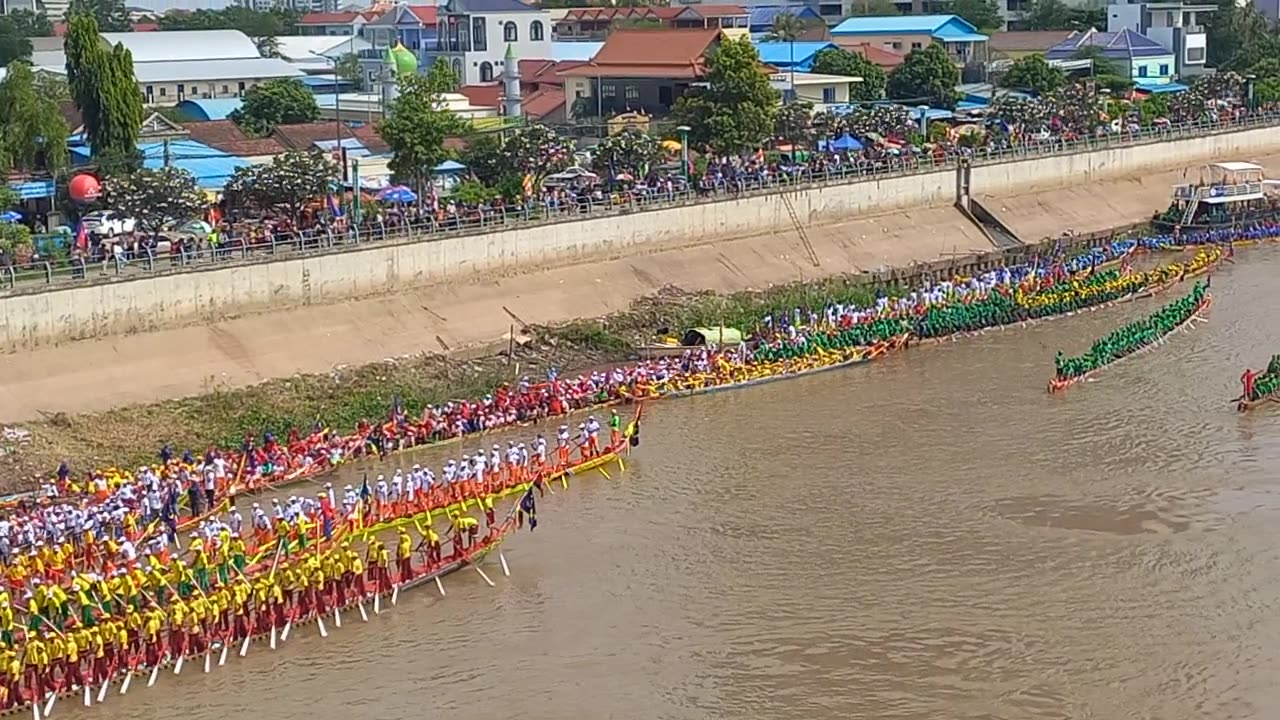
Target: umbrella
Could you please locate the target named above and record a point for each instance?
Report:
(9, 216)
(624, 177)
(196, 227)
(398, 194)
(671, 144)
(846, 142)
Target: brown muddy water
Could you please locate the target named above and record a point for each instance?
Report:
(932, 536)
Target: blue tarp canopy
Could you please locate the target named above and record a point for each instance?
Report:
(449, 166)
(1160, 88)
(846, 142)
(398, 194)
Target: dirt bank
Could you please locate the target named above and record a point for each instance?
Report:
(1096, 206)
(97, 375)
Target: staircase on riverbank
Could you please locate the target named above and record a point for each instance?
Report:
(992, 228)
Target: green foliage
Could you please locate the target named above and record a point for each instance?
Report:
(786, 27)
(483, 157)
(416, 126)
(1106, 74)
(156, 198)
(1034, 73)
(110, 14)
(735, 112)
(441, 78)
(1267, 91)
(873, 8)
(268, 46)
(15, 238)
(271, 23)
(31, 24)
(290, 180)
(838, 61)
(33, 135)
(348, 68)
(926, 76)
(9, 197)
(628, 151)
(794, 123)
(473, 192)
(275, 102)
(536, 151)
(13, 44)
(1048, 15)
(1237, 37)
(102, 84)
(982, 14)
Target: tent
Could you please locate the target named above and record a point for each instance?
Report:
(397, 194)
(846, 142)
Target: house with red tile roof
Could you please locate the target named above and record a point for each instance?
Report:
(335, 23)
(594, 23)
(645, 70)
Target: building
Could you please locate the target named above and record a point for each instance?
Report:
(412, 26)
(335, 23)
(1144, 61)
(594, 23)
(798, 56)
(760, 21)
(1175, 25)
(306, 6)
(902, 34)
(820, 90)
(474, 35)
(174, 66)
(313, 54)
(884, 59)
(1015, 44)
(645, 70)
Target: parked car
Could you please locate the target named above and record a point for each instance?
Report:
(107, 223)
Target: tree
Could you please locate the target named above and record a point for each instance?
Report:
(33, 135)
(268, 46)
(31, 24)
(1231, 32)
(838, 61)
(276, 102)
(628, 151)
(483, 158)
(794, 123)
(1266, 91)
(873, 8)
(103, 87)
(291, 180)
(441, 78)
(416, 125)
(256, 24)
(926, 76)
(734, 112)
(110, 14)
(156, 198)
(536, 151)
(1048, 15)
(348, 68)
(982, 14)
(1035, 74)
(13, 44)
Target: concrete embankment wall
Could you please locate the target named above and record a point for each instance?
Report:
(878, 237)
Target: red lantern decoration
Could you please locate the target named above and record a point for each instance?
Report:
(84, 188)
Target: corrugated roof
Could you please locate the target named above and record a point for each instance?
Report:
(762, 16)
(209, 109)
(719, 10)
(542, 103)
(178, 45)
(335, 18)
(905, 24)
(1115, 46)
(465, 6)
(784, 53)
(210, 166)
(316, 48)
(650, 53)
(1027, 40)
(884, 59)
(483, 95)
(204, 70)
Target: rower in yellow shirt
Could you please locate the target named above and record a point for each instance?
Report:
(404, 554)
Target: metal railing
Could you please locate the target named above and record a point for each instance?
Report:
(240, 249)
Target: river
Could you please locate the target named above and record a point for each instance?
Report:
(932, 536)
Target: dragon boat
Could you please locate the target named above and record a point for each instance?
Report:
(1062, 382)
(1260, 388)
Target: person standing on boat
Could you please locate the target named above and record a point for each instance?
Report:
(404, 554)
(1247, 380)
(615, 428)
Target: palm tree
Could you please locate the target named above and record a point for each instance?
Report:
(268, 46)
(788, 27)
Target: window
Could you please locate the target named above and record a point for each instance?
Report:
(486, 72)
(895, 45)
(1195, 55)
(916, 46)
(1142, 71)
(163, 91)
(182, 92)
(149, 92)
(632, 93)
(226, 89)
(535, 30)
(479, 34)
(510, 33)
(828, 95)
(609, 90)
(440, 35)
(1164, 69)
(240, 86)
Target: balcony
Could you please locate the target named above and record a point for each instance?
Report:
(1193, 29)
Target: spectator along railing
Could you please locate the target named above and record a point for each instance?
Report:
(237, 248)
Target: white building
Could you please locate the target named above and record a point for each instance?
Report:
(1175, 25)
(474, 35)
(174, 66)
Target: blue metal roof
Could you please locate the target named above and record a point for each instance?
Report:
(326, 82)
(209, 109)
(1122, 45)
(1171, 87)
(562, 51)
(943, 27)
(762, 16)
(799, 55)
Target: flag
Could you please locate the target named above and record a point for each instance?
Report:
(333, 205)
(365, 492)
(530, 507)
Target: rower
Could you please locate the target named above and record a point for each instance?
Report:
(615, 428)
(404, 554)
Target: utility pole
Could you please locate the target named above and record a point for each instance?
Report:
(168, 154)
